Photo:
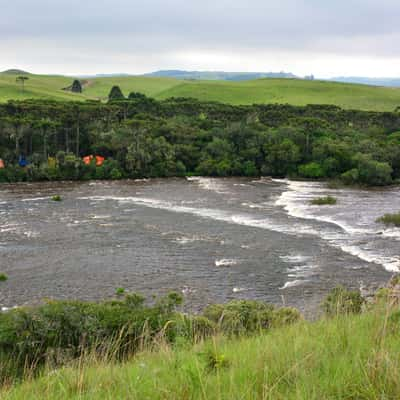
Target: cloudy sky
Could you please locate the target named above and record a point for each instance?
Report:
(323, 37)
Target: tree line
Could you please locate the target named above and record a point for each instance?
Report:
(141, 137)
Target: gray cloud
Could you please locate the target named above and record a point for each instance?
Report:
(149, 32)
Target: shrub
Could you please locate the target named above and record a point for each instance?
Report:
(327, 200)
(311, 170)
(343, 301)
(32, 335)
(248, 316)
(3, 277)
(390, 219)
(56, 197)
(115, 173)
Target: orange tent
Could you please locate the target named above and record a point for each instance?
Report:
(2, 165)
(87, 159)
(99, 160)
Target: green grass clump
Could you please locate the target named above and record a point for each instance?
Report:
(3, 277)
(119, 291)
(56, 198)
(390, 219)
(321, 201)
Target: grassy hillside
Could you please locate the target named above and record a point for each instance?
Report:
(292, 91)
(353, 357)
(37, 86)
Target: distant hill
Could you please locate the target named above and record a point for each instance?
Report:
(389, 82)
(261, 91)
(15, 72)
(218, 75)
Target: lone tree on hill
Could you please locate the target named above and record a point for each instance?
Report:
(21, 80)
(116, 94)
(76, 86)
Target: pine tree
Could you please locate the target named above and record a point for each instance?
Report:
(115, 94)
(76, 86)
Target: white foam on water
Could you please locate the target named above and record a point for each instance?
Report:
(5, 309)
(37, 198)
(290, 284)
(297, 229)
(100, 216)
(349, 238)
(191, 239)
(211, 184)
(31, 234)
(296, 258)
(225, 262)
(393, 233)
(238, 290)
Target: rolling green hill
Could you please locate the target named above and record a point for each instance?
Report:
(292, 91)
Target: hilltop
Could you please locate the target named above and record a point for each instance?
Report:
(219, 75)
(263, 91)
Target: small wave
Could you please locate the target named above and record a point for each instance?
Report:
(100, 216)
(37, 198)
(238, 290)
(225, 262)
(5, 309)
(392, 233)
(295, 201)
(215, 214)
(296, 258)
(31, 234)
(391, 264)
(253, 205)
(290, 284)
(211, 184)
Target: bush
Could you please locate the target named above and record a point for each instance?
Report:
(327, 200)
(343, 301)
(312, 170)
(66, 329)
(240, 317)
(3, 277)
(56, 198)
(390, 219)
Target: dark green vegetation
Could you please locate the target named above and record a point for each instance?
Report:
(390, 219)
(56, 197)
(3, 277)
(142, 137)
(321, 201)
(241, 350)
(61, 331)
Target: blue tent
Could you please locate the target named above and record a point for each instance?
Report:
(22, 161)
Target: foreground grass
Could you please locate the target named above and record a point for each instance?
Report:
(354, 357)
(262, 91)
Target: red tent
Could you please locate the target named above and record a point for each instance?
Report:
(99, 160)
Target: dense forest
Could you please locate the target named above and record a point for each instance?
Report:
(141, 137)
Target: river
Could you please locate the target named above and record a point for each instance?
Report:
(211, 239)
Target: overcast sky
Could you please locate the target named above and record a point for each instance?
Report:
(323, 37)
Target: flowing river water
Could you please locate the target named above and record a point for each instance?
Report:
(211, 239)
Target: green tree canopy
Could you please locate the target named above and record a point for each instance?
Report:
(116, 94)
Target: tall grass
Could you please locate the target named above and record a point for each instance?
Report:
(344, 357)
